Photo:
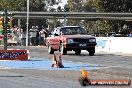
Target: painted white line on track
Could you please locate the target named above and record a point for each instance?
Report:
(2, 67)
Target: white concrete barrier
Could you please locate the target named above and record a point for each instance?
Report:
(114, 44)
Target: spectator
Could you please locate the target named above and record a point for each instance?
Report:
(44, 33)
(19, 32)
(16, 34)
(23, 37)
(41, 37)
(37, 35)
(33, 33)
(130, 35)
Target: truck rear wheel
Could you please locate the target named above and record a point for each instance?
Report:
(91, 51)
(77, 52)
(50, 50)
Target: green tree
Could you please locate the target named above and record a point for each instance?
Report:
(98, 5)
(10, 5)
(114, 6)
(34, 5)
(88, 6)
(104, 27)
(66, 8)
(73, 6)
(59, 9)
(117, 5)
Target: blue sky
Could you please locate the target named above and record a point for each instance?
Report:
(63, 3)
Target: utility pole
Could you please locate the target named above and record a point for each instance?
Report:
(5, 29)
(27, 22)
(65, 21)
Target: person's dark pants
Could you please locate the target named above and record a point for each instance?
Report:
(23, 41)
(41, 40)
(33, 41)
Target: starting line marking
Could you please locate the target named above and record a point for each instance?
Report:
(45, 64)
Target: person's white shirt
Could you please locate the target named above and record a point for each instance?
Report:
(41, 33)
(33, 32)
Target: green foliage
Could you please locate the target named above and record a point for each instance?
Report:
(117, 5)
(12, 4)
(34, 5)
(113, 6)
(104, 26)
(20, 5)
(39, 5)
(59, 9)
(88, 6)
(66, 8)
(73, 6)
(98, 5)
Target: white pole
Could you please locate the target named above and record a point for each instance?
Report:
(64, 20)
(19, 22)
(27, 22)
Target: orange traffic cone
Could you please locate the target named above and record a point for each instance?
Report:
(54, 64)
(60, 65)
(84, 73)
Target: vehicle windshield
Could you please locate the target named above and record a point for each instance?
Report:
(73, 30)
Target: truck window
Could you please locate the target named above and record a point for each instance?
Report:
(73, 30)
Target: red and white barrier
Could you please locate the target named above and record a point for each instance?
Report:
(14, 54)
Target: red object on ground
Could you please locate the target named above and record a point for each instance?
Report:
(57, 63)
(60, 65)
(54, 64)
(13, 54)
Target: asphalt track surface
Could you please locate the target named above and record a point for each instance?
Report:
(114, 66)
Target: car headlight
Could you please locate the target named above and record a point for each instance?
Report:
(92, 40)
(70, 41)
